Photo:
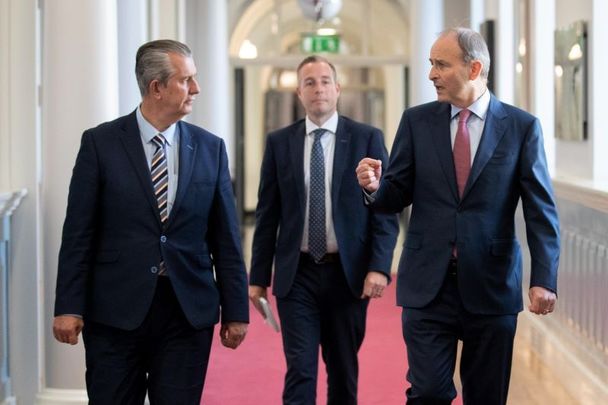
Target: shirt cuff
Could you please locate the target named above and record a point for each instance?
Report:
(369, 197)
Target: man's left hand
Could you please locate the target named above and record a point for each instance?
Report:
(374, 285)
(232, 334)
(542, 301)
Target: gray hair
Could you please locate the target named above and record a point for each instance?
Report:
(152, 62)
(473, 47)
(317, 59)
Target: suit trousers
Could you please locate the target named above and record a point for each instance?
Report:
(164, 356)
(321, 310)
(431, 336)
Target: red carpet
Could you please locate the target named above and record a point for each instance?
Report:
(253, 374)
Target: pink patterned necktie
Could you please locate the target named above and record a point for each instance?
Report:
(462, 151)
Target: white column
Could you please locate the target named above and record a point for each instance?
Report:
(133, 32)
(4, 96)
(165, 20)
(80, 77)
(426, 21)
(504, 63)
(541, 45)
(20, 167)
(597, 85)
(207, 35)
(477, 13)
(394, 101)
(255, 138)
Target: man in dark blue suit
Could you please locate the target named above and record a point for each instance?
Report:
(460, 274)
(150, 250)
(331, 254)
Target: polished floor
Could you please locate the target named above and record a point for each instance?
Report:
(535, 378)
(533, 382)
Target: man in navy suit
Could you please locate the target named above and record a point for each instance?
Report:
(150, 250)
(460, 274)
(322, 285)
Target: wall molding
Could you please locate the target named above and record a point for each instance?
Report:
(582, 192)
(58, 396)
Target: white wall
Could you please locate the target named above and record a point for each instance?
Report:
(574, 158)
(19, 141)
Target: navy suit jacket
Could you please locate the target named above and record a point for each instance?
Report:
(509, 166)
(365, 239)
(113, 239)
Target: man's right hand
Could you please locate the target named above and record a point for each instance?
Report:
(369, 172)
(66, 328)
(255, 293)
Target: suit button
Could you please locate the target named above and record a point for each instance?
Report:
(163, 239)
(153, 269)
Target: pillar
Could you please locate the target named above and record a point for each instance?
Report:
(80, 79)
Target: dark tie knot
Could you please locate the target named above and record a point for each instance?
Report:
(463, 116)
(159, 140)
(318, 133)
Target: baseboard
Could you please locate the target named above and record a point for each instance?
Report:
(56, 396)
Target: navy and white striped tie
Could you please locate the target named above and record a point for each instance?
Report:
(160, 181)
(160, 176)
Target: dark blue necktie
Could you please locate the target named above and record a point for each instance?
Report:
(317, 239)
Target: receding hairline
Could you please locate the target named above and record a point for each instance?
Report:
(472, 46)
(317, 59)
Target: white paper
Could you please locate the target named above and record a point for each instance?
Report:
(269, 316)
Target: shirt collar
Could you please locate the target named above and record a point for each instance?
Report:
(148, 131)
(330, 125)
(479, 107)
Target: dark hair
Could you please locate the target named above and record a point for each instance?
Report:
(473, 47)
(317, 59)
(152, 62)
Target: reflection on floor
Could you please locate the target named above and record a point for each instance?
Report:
(533, 380)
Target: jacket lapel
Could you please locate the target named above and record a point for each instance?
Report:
(131, 140)
(296, 153)
(493, 131)
(341, 151)
(440, 132)
(187, 157)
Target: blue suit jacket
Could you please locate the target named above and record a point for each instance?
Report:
(366, 240)
(113, 237)
(509, 165)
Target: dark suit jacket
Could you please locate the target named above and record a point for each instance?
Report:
(509, 165)
(113, 239)
(365, 239)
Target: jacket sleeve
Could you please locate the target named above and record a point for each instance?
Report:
(397, 183)
(267, 219)
(540, 211)
(225, 243)
(384, 226)
(79, 231)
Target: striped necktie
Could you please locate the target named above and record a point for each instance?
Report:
(160, 176)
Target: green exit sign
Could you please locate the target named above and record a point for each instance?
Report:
(320, 43)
